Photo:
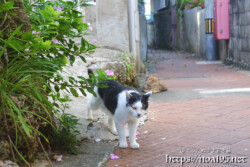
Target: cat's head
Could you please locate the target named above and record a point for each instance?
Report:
(137, 103)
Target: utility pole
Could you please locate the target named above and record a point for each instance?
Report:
(211, 44)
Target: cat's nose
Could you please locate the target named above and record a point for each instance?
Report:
(138, 115)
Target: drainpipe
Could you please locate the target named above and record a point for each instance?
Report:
(134, 33)
(131, 24)
(211, 44)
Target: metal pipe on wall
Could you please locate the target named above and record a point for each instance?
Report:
(211, 44)
(134, 33)
(131, 25)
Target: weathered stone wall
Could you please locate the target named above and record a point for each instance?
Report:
(111, 25)
(112, 22)
(239, 43)
(90, 17)
(191, 31)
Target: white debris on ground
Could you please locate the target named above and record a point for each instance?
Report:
(98, 140)
(8, 163)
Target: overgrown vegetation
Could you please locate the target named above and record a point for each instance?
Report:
(33, 52)
(182, 4)
(131, 79)
(189, 4)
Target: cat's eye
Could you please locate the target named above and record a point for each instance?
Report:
(134, 108)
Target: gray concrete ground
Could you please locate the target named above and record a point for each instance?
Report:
(89, 155)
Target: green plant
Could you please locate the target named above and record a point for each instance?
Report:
(31, 63)
(64, 137)
(131, 79)
(188, 4)
(146, 64)
(182, 4)
(24, 105)
(129, 65)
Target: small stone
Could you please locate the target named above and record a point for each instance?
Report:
(5, 149)
(154, 84)
(119, 69)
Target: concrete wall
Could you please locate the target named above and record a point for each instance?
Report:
(157, 4)
(191, 31)
(223, 49)
(90, 17)
(239, 43)
(162, 27)
(151, 34)
(143, 37)
(116, 25)
(174, 26)
(112, 25)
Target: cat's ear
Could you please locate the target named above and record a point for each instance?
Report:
(146, 95)
(128, 96)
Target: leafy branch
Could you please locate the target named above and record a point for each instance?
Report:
(31, 84)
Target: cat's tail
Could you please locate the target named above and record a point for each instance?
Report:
(90, 72)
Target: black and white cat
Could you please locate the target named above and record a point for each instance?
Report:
(123, 105)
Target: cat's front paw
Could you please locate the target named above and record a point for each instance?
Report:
(89, 117)
(123, 145)
(92, 119)
(135, 145)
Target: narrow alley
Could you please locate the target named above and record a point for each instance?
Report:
(204, 114)
(57, 55)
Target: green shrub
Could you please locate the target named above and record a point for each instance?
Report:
(182, 4)
(131, 79)
(31, 64)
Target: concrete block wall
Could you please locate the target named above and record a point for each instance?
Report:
(191, 31)
(239, 43)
